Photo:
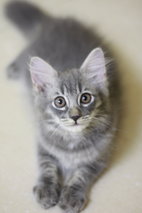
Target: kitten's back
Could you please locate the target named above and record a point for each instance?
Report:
(64, 43)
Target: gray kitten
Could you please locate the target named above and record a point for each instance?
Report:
(76, 98)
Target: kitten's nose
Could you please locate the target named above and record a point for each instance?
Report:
(75, 117)
(75, 114)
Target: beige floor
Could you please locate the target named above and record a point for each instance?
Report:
(119, 190)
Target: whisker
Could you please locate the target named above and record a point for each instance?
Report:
(55, 130)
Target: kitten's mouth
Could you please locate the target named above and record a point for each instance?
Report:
(74, 124)
(74, 127)
(77, 125)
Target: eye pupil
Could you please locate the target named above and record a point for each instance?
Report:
(84, 98)
(60, 101)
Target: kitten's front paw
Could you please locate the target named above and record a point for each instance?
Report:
(47, 195)
(72, 200)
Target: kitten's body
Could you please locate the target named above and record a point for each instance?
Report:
(71, 156)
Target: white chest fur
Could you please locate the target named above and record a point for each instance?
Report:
(73, 159)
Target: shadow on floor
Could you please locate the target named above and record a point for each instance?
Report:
(131, 110)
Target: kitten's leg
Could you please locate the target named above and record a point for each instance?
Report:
(47, 190)
(74, 195)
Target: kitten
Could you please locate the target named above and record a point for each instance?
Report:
(76, 98)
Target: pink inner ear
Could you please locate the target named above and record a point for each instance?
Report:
(36, 80)
(41, 72)
(94, 65)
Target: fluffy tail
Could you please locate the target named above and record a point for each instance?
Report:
(25, 16)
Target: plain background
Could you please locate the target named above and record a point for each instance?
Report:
(119, 190)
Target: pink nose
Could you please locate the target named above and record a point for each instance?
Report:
(75, 117)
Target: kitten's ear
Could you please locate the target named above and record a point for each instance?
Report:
(42, 74)
(94, 68)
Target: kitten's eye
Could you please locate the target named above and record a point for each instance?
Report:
(85, 98)
(60, 102)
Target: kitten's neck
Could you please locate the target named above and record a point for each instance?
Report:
(62, 139)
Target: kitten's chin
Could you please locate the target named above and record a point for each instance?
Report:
(75, 128)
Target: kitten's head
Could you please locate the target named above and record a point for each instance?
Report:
(72, 100)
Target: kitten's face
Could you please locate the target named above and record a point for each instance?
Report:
(72, 100)
(73, 104)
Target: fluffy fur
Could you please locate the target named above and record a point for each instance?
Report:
(75, 137)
